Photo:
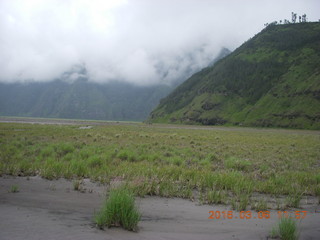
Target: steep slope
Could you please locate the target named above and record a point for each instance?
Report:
(271, 80)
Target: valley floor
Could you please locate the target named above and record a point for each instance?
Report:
(242, 168)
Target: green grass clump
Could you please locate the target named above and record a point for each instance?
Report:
(260, 205)
(240, 203)
(287, 229)
(119, 210)
(238, 164)
(14, 189)
(293, 201)
(217, 197)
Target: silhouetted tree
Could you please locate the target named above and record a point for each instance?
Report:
(286, 21)
(304, 18)
(294, 17)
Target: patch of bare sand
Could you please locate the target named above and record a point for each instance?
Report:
(45, 209)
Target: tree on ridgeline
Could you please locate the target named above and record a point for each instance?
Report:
(286, 21)
(304, 18)
(294, 17)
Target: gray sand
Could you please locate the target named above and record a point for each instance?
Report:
(45, 209)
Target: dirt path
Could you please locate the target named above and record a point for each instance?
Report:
(45, 209)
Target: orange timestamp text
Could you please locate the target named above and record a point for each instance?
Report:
(255, 215)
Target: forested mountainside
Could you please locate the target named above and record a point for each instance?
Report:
(272, 80)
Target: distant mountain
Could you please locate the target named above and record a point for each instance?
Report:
(272, 80)
(82, 99)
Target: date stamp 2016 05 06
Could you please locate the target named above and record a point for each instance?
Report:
(255, 215)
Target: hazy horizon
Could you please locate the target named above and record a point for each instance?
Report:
(137, 41)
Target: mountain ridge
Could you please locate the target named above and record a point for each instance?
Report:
(272, 80)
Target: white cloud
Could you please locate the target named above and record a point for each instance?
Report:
(138, 41)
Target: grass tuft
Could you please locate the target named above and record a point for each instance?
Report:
(216, 197)
(286, 229)
(240, 203)
(119, 210)
(293, 201)
(14, 189)
(260, 205)
(77, 185)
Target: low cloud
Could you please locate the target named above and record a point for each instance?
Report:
(138, 41)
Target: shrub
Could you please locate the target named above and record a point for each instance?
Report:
(119, 210)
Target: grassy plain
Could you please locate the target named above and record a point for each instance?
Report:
(215, 165)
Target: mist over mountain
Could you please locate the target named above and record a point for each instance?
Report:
(80, 100)
(272, 80)
(141, 42)
(74, 96)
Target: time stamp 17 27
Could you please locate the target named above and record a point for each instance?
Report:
(256, 215)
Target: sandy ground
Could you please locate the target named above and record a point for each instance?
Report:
(92, 123)
(54, 121)
(45, 209)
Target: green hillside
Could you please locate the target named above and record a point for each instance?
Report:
(272, 80)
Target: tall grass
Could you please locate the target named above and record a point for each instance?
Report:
(286, 229)
(119, 210)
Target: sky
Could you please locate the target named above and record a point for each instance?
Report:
(143, 42)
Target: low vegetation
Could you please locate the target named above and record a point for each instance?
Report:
(287, 229)
(215, 165)
(260, 205)
(77, 185)
(14, 189)
(119, 210)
